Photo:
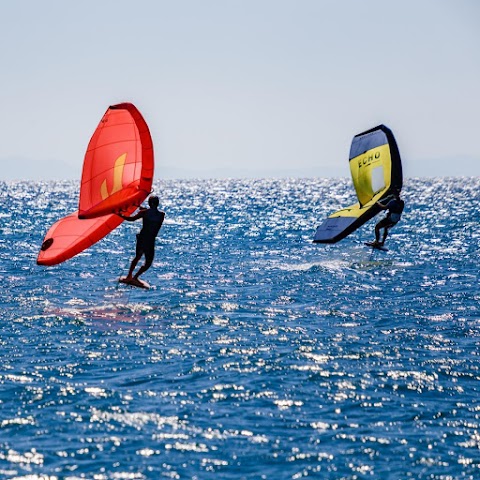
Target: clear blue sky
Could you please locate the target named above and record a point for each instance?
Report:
(242, 87)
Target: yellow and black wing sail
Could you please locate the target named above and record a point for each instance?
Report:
(376, 170)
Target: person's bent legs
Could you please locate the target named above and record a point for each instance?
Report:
(139, 251)
(381, 224)
(148, 263)
(134, 264)
(386, 224)
(385, 234)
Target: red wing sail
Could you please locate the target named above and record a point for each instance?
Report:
(69, 236)
(118, 165)
(117, 175)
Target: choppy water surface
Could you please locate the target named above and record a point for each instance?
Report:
(257, 354)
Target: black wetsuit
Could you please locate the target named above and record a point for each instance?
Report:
(152, 222)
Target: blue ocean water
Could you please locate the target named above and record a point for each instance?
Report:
(257, 354)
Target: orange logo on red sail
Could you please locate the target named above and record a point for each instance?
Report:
(117, 177)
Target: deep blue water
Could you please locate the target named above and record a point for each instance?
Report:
(257, 354)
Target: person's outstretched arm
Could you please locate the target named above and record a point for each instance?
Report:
(138, 215)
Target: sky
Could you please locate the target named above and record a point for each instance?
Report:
(242, 88)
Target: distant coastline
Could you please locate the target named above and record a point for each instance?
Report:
(28, 169)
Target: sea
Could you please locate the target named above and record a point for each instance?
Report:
(256, 354)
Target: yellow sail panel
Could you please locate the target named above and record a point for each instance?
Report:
(356, 210)
(371, 173)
